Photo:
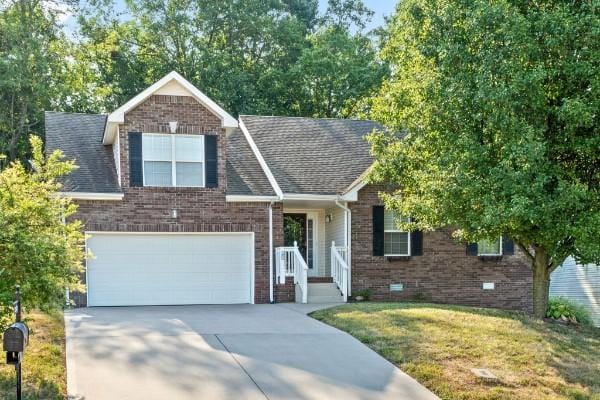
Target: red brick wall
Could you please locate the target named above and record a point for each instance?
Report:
(147, 209)
(285, 293)
(444, 273)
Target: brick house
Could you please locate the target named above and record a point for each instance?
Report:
(184, 204)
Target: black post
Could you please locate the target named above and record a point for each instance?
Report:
(18, 370)
(18, 303)
(18, 319)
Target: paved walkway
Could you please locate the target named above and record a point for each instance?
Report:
(223, 352)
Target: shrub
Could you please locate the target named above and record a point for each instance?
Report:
(38, 251)
(364, 293)
(568, 310)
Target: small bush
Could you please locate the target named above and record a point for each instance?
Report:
(364, 293)
(419, 296)
(568, 310)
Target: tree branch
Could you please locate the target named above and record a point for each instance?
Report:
(527, 252)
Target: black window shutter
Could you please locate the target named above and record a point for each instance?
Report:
(211, 158)
(472, 249)
(136, 174)
(508, 246)
(378, 231)
(416, 243)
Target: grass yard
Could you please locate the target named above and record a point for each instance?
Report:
(438, 345)
(44, 374)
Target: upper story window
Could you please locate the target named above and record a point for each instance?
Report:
(396, 242)
(173, 160)
(489, 247)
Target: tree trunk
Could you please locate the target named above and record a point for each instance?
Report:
(541, 282)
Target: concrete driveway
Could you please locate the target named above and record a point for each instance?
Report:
(223, 352)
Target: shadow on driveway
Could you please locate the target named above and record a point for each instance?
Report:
(222, 352)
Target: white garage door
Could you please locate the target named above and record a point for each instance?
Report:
(161, 269)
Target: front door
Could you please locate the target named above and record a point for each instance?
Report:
(300, 228)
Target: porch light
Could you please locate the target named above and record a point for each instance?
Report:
(173, 126)
(328, 218)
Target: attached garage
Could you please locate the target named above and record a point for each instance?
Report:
(169, 268)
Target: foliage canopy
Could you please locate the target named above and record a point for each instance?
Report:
(38, 250)
(498, 104)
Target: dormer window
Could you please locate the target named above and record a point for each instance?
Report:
(173, 160)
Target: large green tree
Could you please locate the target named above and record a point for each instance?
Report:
(334, 72)
(39, 70)
(252, 56)
(38, 250)
(493, 116)
(31, 53)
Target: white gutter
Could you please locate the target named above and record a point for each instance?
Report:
(92, 196)
(233, 198)
(348, 237)
(271, 252)
(309, 197)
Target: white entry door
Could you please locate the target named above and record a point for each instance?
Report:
(163, 269)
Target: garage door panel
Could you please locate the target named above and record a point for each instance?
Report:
(134, 269)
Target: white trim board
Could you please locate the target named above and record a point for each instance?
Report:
(233, 198)
(92, 196)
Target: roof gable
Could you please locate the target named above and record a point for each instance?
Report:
(173, 84)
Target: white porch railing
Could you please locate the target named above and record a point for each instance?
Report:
(289, 262)
(339, 268)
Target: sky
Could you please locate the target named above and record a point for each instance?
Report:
(381, 8)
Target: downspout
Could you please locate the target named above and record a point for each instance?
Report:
(347, 234)
(271, 252)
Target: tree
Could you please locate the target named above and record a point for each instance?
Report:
(334, 73)
(31, 53)
(252, 57)
(493, 116)
(38, 250)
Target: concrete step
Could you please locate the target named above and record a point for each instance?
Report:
(324, 293)
(325, 299)
(322, 289)
(320, 279)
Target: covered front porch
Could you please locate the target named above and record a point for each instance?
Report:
(316, 252)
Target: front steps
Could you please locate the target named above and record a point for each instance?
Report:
(324, 293)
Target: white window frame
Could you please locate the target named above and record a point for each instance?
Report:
(491, 254)
(396, 231)
(173, 160)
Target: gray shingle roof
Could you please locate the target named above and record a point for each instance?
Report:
(244, 174)
(312, 156)
(306, 155)
(79, 136)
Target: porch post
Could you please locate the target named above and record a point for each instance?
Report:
(349, 248)
(271, 252)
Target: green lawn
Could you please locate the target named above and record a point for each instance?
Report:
(44, 375)
(438, 345)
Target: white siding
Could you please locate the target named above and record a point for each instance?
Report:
(580, 283)
(321, 244)
(334, 231)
